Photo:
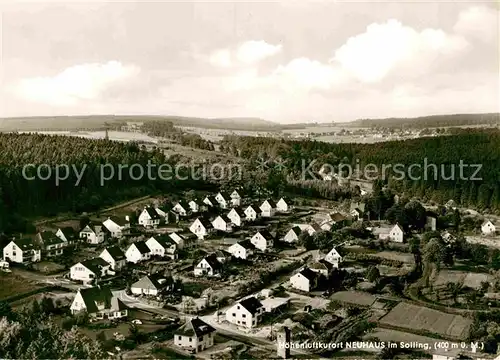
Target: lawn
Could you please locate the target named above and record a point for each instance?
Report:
(11, 285)
(472, 280)
(354, 298)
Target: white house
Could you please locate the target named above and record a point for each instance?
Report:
(100, 303)
(117, 226)
(252, 213)
(222, 223)
(313, 228)
(163, 212)
(162, 245)
(115, 257)
(89, 270)
(488, 228)
(92, 234)
(196, 206)
(201, 228)
(152, 284)
(149, 217)
(322, 267)
(209, 265)
(195, 334)
(237, 216)
(182, 241)
(242, 249)
(292, 235)
(181, 208)
(138, 252)
(305, 280)
(268, 208)
(223, 200)
(235, 198)
(50, 244)
(67, 234)
(210, 201)
(246, 313)
(283, 205)
(357, 210)
(334, 257)
(397, 234)
(22, 251)
(262, 240)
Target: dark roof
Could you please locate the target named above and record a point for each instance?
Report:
(94, 226)
(116, 253)
(155, 281)
(286, 199)
(297, 230)
(205, 222)
(68, 232)
(222, 253)
(95, 264)
(49, 238)
(247, 244)
(225, 195)
(337, 217)
(100, 295)
(25, 244)
(321, 264)
(212, 200)
(239, 211)
(213, 262)
(164, 240)
(266, 234)
(271, 202)
(225, 218)
(184, 204)
(308, 274)
(251, 304)
(255, 208)
(195, 327)
(316, 226)
(358, 206)
(142, 247)
(118, 220)
(152, 213)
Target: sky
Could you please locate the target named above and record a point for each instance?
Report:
(285, 61)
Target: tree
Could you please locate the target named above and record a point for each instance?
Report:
(372, 273)
(415, 213)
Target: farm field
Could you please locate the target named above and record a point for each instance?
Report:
(400, 336)
(11, 285)
(354, 297)
(472, 280)
(394, 255)
(413, 317)
(488, 241)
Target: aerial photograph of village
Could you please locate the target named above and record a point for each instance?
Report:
(290, 179)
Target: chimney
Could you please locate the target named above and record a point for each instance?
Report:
(127, 218)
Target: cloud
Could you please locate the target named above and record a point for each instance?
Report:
(370, 56)
(479, 22)
(80, 82)
(247, 53)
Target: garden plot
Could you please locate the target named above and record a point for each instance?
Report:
(354, 297)
(395, 255)
(472, 280)
(488, 241)
(418, 318)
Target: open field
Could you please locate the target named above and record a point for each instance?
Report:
(472, 280)
(113, 135)
(354, 297)
(394, 255)
(418, 318)
(490, 241)
(400, 336)
(11, 285)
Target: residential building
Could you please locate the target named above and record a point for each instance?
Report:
(223, 200)
(152, 285)
(292, 235)
(322, 267)
(182, 208)
(246, 313)
(90, 270)
(50, 244)
(488, 228)
(210, 201)
(162, 245)
(163, 211)
(334, 257)
(252, 212)
(313, 228)
(117, 226)
(92, 233)
(357, 210)
(195, 334)
(138, 252)
(183, 241)
(431, 220)
(237, 216)
(67, 234)
(241, 250)
(201, 228)
(196, 206)
(222, 223)
(99, 303)
(115, 257)
(262, 240)
(149, 217)
(268, 208)
(397, 234)
(284, 205)
(22, 251)
(209, 265)
(235, 198)
(222, 256)
(305, 280)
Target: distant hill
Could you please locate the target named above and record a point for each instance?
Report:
(100, 121)
(430, 121)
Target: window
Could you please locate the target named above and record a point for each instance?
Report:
(243, 316)
(179, 337)
(190, 339)
(238, 307)
(234, 314)
(200, 338)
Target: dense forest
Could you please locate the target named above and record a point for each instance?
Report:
(481, 147)
(431, 121)
(21, 197)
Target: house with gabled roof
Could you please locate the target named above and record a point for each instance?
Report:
(237, 216)
(93, 233)
(162, 245)
(50, 244)
(235, 198)
(149, 217)
(195, 334)
(313, 228)
(182, 240)
(210, 201)
(246, 313)
(222, 223)
(115, 257)
(22, 251)
(357, 210)
(67, 234)
(334, 257)
(242, 249)
(322, 267)
(201, 227)
(252, 212)
(305, 280)
(268, 208)
(223, 199)
(90, 270)
(292, 235)
(100, 303)
(117, 226)
(137, 252)
(263, 240)
(208, 266)
(284, 205)
(163, 211)
(152, 285)
(197, 206)
(182, 208)
(488, 228)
